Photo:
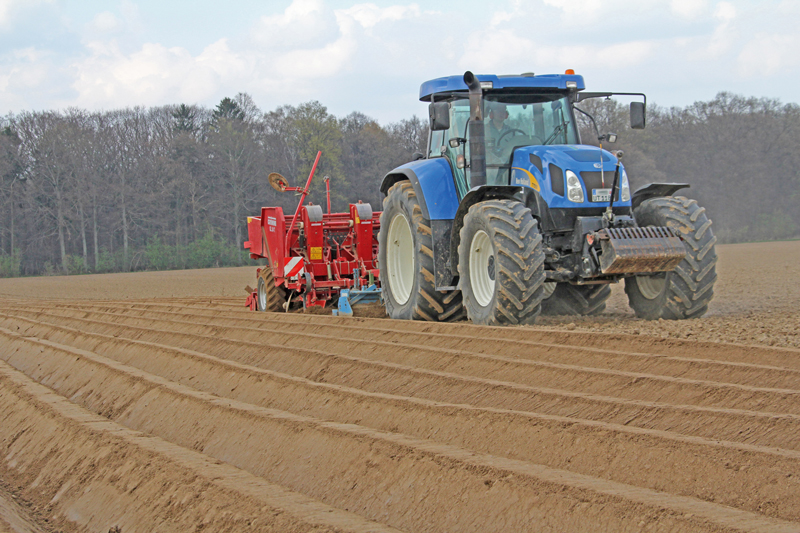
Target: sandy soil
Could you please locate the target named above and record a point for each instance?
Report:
(756, 301)
(156, 402)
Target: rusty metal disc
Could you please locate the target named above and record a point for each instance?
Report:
(278, 182)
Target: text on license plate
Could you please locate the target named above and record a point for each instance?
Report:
(601, 195)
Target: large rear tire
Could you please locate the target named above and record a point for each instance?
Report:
(270, 297)
(576, 300)
(405, 257)
(686, 291)
(501, 264)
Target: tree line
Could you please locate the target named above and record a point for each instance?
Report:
(171, 186)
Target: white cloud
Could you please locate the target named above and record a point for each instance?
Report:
(278, 59)
(724, 12)
(725, 35)
(688, 9)
(493, 51)
(303, 24)
(105, 22)
(23, 73)
(9, 7)
(369, 15)
(585, 8)
(153, 75)
(370, 56)
(608, 13)
(505, 52)
(768, 54)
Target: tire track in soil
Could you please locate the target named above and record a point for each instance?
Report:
(446, 421)
(141, 400)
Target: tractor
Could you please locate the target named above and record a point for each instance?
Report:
(507, 215)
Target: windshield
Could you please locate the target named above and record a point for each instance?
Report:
(523, 120)
(511, 120)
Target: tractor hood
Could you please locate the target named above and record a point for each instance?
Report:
(545, 169)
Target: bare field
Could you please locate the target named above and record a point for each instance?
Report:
(156, 402)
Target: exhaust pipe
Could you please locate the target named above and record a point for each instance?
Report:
(477, 144)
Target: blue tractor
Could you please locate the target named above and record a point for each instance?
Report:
(508, 215)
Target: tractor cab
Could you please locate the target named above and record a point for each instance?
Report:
(508, 122)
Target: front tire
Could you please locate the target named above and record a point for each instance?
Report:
(501, 264)
(405, 255)
(686, 291)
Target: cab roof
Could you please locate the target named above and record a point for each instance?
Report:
(528, 81)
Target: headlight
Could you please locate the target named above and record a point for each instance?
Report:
(625, 193)
(574, 188)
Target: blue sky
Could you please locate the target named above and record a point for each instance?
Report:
(372, 56)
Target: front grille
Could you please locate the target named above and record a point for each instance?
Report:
(593, 180)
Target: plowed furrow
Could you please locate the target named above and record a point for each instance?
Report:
(745, 427)
(691, 368)
(15, 519)
(439, 386)
(662, 362)
(629, 385)
(761, 355)
(584, 446)
(59, 453)
(352, 466)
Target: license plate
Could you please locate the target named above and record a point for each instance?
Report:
(601, 195)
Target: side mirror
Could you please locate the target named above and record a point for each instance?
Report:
(439, 115)
(455, 142)
(608, 137)
(637, 115)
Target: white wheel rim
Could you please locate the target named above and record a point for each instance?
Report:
(482, 268)
(400, 256)
(549, 288)
(651, 287)
(262, 294)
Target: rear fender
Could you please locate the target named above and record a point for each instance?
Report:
(655, 190)
(434, 186)
(432, 180)
(479, 194)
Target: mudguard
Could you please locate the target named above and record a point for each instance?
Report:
(432, 180)
(655, 190)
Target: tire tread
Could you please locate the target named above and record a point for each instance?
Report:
(690, 287)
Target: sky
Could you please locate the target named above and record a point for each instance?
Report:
(372, 57)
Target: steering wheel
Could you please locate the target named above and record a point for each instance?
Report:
(533, 138)
(513, 130)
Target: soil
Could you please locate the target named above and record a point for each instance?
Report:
(157, 402)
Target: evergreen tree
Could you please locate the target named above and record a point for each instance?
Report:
(185, 119)
(228, 109)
